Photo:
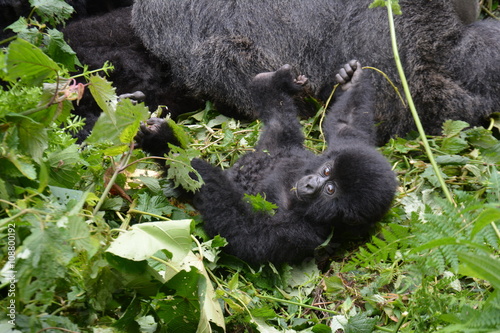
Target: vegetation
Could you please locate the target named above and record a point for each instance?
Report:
(92, 240)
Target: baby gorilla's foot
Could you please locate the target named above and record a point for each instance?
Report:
(349, 75)
(301, 79)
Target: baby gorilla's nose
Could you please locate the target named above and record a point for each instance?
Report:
(308, 186)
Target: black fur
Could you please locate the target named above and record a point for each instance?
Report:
(212, 47)
(350, 186)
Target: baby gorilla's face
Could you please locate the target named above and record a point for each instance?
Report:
(319, 183)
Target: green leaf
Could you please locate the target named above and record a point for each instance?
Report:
(179, 168)
(53, 11)
(149, 238)
(105, 96)
(454, 127)
(60, 51)
(156, 204)
(485, 218)
(360, 323)
(179, 134)
(452, 160)
(23, 164)
(260, 204)
(29, 63)
(454, 145)
(65, 167)
(482, 266)
(181, 312)
(33, 138)
(119, 126)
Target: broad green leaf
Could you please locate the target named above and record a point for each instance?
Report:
(33, 138)
(485, 218)
(29, 63)
(454, 145)
(23, 165)
(181, 312)
(211, 311)
(60, 51)
(149, 238)
(121, 126)
(360, 323)
(53, 11)
(454, 127)
(452, 160)
(65, 195)
(482, 266)
(65, 167)
(105, 96)
(179, 134)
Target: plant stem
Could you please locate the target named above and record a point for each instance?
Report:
(123, 163)
(279, 300)
(411, 105)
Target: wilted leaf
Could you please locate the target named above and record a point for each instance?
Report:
(144, 240)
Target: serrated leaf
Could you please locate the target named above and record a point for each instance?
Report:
(105, 95)
(151, 237)
(29, 63)
(60, 51)
(360, 323)
(454, 127)
(453, 145)
(157, 205)
(33, 138)
(179, 168)
(53, 11)
(122, 125)
(260, 204)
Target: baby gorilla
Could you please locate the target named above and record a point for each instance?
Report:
(347, 188)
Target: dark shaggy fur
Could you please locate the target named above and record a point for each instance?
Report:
(213, 47)
(348, 187)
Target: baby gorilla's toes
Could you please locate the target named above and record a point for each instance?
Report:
(349, 75)
(301, 80)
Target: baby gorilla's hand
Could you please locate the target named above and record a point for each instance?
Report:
(349, 75)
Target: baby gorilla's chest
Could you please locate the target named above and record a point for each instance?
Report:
(272, 176)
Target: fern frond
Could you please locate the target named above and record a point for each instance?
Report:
(391, 240)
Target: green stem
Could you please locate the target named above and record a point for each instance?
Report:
(132, 211)
(413, 110)
(279, 300)
(112, 180)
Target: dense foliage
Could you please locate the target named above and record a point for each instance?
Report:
(92, 240)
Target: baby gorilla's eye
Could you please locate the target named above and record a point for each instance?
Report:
(330, 188)
(327, 171)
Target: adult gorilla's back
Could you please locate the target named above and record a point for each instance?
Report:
(214, 46)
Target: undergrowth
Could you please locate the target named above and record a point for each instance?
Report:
(93, 240)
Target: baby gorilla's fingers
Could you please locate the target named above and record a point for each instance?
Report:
(349, 74)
